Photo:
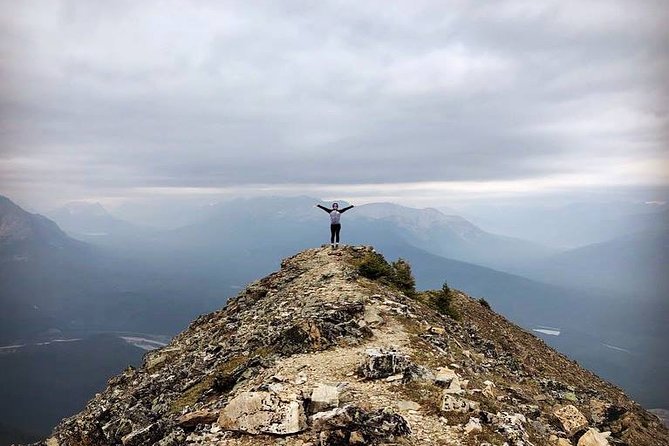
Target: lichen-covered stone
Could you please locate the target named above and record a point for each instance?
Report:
(383, 363)
(452, 403)
(263, 412)
(371, 427)
(571, 419)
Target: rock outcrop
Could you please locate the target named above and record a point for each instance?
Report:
(317, 354)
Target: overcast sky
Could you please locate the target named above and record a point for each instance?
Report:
(413, 101)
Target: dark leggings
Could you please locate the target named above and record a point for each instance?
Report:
(334, 233)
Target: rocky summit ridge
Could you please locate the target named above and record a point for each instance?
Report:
(319, 353)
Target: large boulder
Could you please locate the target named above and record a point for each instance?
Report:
(473, 426)
(445, 376)
(352, 425)
(264, 412)
(452, 403)
(382, 363)
(594, 438)
(571, 419)
(324, 397)
(512, 427)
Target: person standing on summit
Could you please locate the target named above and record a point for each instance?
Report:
(335, 225)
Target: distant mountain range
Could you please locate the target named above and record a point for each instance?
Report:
(24, 236)
(572, 225)
(285, 223)
(35, 255)
(91, 222)
(634, 264)
(52, 283)
(159, 282)
(245, 237)
(56, 282)
(454, 237)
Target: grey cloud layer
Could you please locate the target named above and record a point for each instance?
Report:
(207, 94)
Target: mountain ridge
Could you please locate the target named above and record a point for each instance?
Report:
(51, 281)
(23, 234)
(328, 352)
(644, 252)
(91, 221)
(454, 236)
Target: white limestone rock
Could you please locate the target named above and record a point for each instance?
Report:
(451, 403)
(571, 418)
(474, 425)
(594, 438)
(324, 397)
(445, 376)
(263, 412)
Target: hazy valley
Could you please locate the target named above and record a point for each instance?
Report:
(597, 303)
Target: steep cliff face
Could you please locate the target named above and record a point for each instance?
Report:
(317, 354)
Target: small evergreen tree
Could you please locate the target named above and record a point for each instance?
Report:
(403, 278)
(374, 266)
(442, 302)
(445, 288)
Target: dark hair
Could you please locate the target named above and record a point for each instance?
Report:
(335, 205)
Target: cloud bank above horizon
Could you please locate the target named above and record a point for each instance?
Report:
(366, 99)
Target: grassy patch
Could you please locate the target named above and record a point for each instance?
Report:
(411, 326)
(424, 393)
(192, 394)
(457, 418)
(217, 377)
(424, 354)
(487, 435)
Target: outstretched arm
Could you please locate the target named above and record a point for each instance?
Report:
(341, 211)
(324, 208)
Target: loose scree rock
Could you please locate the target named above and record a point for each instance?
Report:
(316, 354)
